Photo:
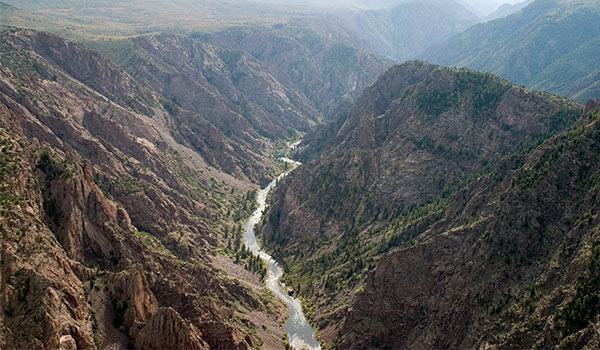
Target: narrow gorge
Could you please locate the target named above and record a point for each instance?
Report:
(300, 333)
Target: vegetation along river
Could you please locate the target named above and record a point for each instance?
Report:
(300, 333)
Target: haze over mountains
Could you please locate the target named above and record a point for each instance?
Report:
(401, 31)
(549, 45)
(481, 7)
(507, 9)
(437, 207)
(398, 29)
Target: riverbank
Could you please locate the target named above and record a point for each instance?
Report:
(300, 333)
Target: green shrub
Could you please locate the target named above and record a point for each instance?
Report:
(119, 307)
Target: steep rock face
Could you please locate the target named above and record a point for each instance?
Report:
(233, 90)
(167, 330)
(420, 119)
(131, 287)
(513, 263)
(88, 67)
(80, 219)
(43, 303)
(327, 72)
(117, 141)
(61, 213)
(86, 106)
(51, 300)
(412, 139)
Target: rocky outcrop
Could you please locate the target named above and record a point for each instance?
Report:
(167, 330)
(105, 216)
(83, 218)
(131, 289)
(42, 298)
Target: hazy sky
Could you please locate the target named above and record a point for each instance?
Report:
(480, 7)
(485, 7)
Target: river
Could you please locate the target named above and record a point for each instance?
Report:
(300, 333)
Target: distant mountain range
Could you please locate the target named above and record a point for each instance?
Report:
(399, 32)
(507, 9)
(6, 6)
(481, 7)
(399, 29)
(550, 45)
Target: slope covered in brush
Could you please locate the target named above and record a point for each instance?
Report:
(513, 262)
(414, 137)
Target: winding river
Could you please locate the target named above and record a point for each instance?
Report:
(300, 333)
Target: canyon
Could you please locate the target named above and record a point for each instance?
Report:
(209, 175)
